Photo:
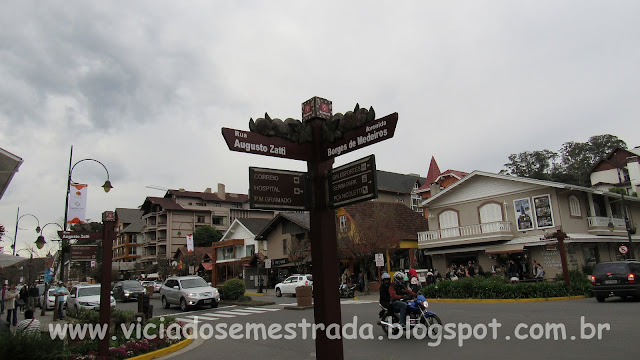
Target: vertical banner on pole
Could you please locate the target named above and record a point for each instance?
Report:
(77, 204)
(190, 243)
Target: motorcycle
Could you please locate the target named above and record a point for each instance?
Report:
(347, 291)
(417, 313)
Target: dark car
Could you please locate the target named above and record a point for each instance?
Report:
(616, 278)
(127, 290)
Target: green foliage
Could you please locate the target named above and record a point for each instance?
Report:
(233, 289)
(27, 347)
(206, 235)
(244, 299)
(496, 287)
(84, 316)
(571, 164)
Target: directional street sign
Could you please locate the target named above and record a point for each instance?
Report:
(353, 182)
(84, 252)
(80, 235)
(370, 133)
(254, 143)
(277, 189)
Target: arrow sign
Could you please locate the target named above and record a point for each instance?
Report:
(254, 143)
(370, 133)
(277, 189)
(353, 182)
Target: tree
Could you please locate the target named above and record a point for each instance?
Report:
(299, 251)
(571, 164)
(206, 235)
(363, 241)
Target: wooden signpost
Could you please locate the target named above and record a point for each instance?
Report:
(321, 136)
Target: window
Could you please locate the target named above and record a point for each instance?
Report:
(251, 250)
(199, 219)
(574, 205)
(227, 253)
(343, 223)
(415, 203)
(133, 250)
(285, 248)
(490, 214)
(201, 204)
(449, 226)
(217, 220)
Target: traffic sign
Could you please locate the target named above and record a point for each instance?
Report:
(79, 235)
(623, 249)
(370, 133)
(353, 182)
(277, 189)
(254, 143)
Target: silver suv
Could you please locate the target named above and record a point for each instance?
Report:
(188, 291)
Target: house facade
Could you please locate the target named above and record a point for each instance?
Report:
(127, 247)
(234, 256)
(620, 168)
(491, 218)
(399, 188)
(168, 220)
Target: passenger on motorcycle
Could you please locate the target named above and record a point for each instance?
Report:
(391, 295)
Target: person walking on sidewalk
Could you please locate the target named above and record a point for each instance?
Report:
(10, 298)
(34, 294)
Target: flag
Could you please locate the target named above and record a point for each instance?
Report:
(77, 204)
(190, 243)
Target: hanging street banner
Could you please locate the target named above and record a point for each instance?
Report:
(77, 204)
(277, 189)
(190, 243)
(370, 133)
(84, 252)
(254, 143)
(353, 182)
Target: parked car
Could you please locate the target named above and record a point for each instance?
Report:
(188, 291)
(616, 278)
(86, 297)
(128, 290)
(289, 285)
(51, 299)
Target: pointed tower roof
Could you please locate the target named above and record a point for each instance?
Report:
(433, 172)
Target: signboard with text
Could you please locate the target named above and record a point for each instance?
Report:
(254, 143)
(370, 133)
(79, 235)
(277, 189)
(353, 182)
(84, 252)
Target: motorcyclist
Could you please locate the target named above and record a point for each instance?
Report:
(385, 299)
(398, 291)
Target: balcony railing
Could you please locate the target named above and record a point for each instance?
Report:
(598, 221)
(466, 231)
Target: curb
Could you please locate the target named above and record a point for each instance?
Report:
(253, 294)
(164, 351)
(297, 307)
(505, 300)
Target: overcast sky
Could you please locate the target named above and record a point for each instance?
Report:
(145, 86)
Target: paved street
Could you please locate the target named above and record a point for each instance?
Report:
(620, 340)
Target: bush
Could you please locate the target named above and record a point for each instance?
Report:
(27, 346)
(233, 289)
(244, 299)
(496, 287)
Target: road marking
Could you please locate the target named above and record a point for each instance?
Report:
(249, 311)
(191, 312)
(187, 320)
(265, 309)
(201, 316)
(295, 303)
(220, 315)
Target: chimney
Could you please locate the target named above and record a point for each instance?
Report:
(221, 192)
(181, 189)
(207, 191)
(434, 189)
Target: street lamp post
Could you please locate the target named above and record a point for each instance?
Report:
(627, 223)
(107, 187)
(15, 235)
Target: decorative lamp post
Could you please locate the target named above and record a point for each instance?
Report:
(15, 235)
(106, 186)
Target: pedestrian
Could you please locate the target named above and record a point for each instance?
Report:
(34, 294)
(60, 291)
(23, 297)
(10, 299)
(361, 281)
(513, 271)
(535, 268)
(3, 291)
(470, 270)
(539, 273)
(30, 325)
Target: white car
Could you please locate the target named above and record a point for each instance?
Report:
(289, 285)
(188, 291)
(51, 299)
(86, 297)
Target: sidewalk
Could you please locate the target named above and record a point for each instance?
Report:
(44, 320)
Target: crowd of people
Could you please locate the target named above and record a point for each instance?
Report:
(24, 301)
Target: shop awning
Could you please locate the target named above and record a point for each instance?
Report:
(505, 249)
(454, 251)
